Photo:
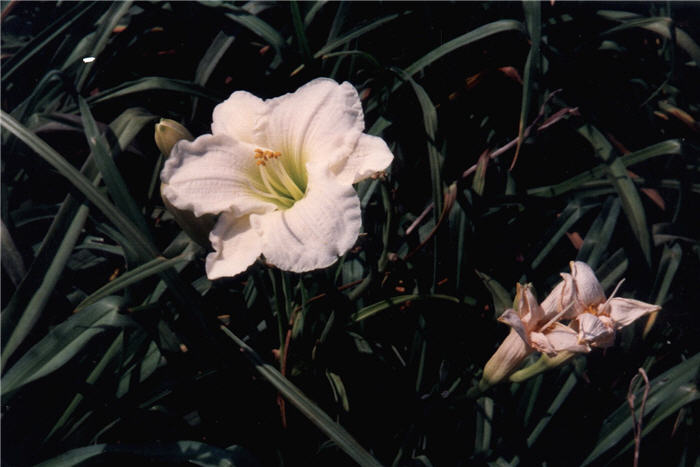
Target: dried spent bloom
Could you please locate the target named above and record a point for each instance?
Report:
(578, 298)
(279, 174)
(599, 318)
(531, 325)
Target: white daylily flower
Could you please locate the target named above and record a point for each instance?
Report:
(280, 173)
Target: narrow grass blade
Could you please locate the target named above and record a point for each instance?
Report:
(35, 307)
(313, 10)
(676, 384)
(300, 32)
(63, 343)
(256, 26)
(385, 304)
(533, 18)
(102, 155)
(128, 228)
(354, 34)
(484, 418)
(611, 271)
(625, 187)
(107, 23)
(134, 276)
(571, 214)
(672, 146)
(472, 36)
(129, 123)
(598, 236)
(305, 405)
(553, 408)
(12, 262)
(430, 123)
(668, 267)
(152, 83)
(502, 300)
(212, 56)
(359, 53)
(167, 453)
(658, 25)
(92, 378)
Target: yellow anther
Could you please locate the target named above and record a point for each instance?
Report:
(260, 162)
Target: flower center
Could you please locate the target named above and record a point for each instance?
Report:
(280, 182)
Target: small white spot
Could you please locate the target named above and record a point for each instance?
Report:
(88, 59)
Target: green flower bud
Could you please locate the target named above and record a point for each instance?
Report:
(169, 132)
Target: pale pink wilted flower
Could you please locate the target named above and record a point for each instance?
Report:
(580, 298)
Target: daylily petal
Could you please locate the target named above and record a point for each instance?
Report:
(588, 289)
(321, 121)
(370, 156)
(624, 311)
(505, 360)
(212, 174)
(559, 300)
(239, 117)
(557, 339)
(530, 310)
(512, 319)
(236, 246)
(314, 232)
(594, 331)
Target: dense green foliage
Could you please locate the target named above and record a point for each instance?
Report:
(525, 135)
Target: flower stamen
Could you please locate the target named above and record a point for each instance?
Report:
(274, 175)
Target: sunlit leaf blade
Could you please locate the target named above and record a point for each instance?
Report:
(307, 407)
(629, 196)
(134, 276)
(300, 32)
(12, 262)
(378, 307)
(152, 83)
(107, 23)
(102, 154)
(354, 34)
(63, 343)
(668, 266)
(533, 18)
(558, 401)
(212, 56)
(255, 25)
(431, 125)
(80, 182)
(171, 453)
(671, 146)
(571, 214)
(112, 351)
(598, 236)
(35, 307)
(472, 36)
(502, 299)
(659, 25)
(672, 385)
(129, 123)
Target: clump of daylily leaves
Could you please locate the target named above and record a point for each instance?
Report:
(278, 173)
(575, 317)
